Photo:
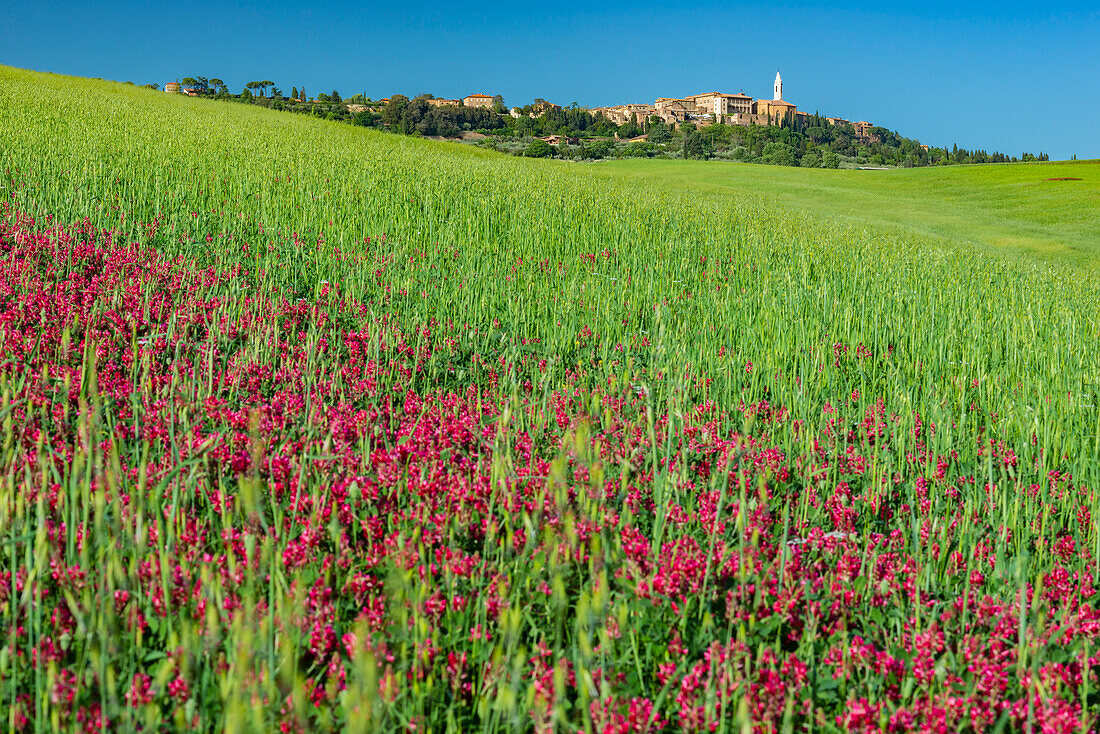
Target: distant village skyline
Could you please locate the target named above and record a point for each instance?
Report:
(890, 64)
(700, 109)
(721, 107)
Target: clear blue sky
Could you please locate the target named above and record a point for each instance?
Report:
(1009, 75)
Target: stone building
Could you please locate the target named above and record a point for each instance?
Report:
(172, 87)
(705, 108)
(621, 114)
(735, 109)
(478, 100)
(717, 103)
(774, 109)
(718, 107)
(674, 111)
(541, 107)
(445, 102)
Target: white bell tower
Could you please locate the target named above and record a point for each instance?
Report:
(778, 86)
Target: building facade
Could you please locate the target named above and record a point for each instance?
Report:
(772, 110)
(701, 109)
(673, 111)
(717, 103)
(622, 114)
(478, 100)
(776, 109)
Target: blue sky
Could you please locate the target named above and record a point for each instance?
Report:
(1009, 76)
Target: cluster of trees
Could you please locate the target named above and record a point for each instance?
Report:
(763, 144)
(812, 142)
(416, 116)
(569, 122)
(585, 150)
(265, 93)
(252, 91)
(212, 87)
(808, 141)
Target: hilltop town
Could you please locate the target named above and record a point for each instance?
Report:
(709, 108)
(700, 110)
(704, 126)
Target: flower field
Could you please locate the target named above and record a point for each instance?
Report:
(308, 428)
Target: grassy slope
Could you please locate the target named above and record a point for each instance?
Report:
(982, 348)
(1006, 209)
(1010, 209)
(471, 230)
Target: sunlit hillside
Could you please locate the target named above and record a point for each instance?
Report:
(310, 428)
(1045, 212)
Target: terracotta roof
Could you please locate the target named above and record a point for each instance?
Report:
(719, 94)
(776, 102)
(486, 96)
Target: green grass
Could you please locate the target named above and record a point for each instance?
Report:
(627, 303)
(1006, 209)
(472, 231)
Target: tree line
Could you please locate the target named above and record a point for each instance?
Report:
(802, 140)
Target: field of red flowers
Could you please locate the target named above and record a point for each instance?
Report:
(232, 508)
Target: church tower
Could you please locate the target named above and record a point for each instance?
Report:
(778, 86)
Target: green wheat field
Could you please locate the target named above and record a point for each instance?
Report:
(315, 428)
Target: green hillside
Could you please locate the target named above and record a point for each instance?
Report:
(1010, 209)
(305, 427)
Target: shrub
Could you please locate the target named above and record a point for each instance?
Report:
(599, 149)
(538, 149)
(639, 150)
(694, 146)
(778, 154)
